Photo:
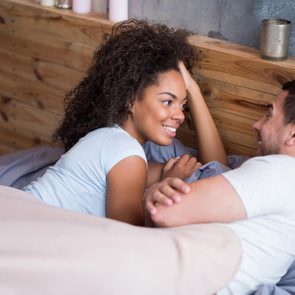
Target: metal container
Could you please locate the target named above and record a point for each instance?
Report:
(274, 38)
(63, 4)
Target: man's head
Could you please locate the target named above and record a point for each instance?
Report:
(276, 129)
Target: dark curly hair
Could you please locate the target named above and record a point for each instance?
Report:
(129, 60)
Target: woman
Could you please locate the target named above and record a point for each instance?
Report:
(135, 91)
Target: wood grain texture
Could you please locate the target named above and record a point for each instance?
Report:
(44, 52)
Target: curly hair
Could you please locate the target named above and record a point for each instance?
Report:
(129, 60)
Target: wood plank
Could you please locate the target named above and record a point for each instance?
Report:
(240, 65)
(237, 149)
(187, 137)
(52, 35)
(234, 99)
(57, 23)
(38, 71)
(24, 119)
(72, 55)
(36, 94)
(14, 139)
(234, 128)
(6, 149)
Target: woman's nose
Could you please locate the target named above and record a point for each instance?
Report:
(178, 114)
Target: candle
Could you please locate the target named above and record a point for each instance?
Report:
(49, 3)
(82, 6)
(118, 10)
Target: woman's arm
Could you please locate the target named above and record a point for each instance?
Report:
(209, 142)
(126, 183)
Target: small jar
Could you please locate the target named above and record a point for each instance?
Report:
(118, 10)
(47, 3)
(82, 6)
(63, 4)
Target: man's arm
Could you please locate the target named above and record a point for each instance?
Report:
(207, 201)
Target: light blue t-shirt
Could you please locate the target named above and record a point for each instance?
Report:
(78, 180)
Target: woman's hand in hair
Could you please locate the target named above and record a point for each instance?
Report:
(188, 79)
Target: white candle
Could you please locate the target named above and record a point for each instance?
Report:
(81, 6)
(49, 3)
(118, 10)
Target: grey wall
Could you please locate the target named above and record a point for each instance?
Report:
(237, 21)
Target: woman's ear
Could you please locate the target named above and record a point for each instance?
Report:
(132, 107)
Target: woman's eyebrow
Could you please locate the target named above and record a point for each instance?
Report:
(169, 93)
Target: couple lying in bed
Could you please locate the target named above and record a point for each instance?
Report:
(135, 91)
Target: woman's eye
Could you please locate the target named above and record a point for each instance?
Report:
(167, 102)
(184, 106)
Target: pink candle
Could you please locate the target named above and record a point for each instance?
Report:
(82, 6)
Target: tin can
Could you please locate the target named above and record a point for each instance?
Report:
(274, 38)
(63, 4)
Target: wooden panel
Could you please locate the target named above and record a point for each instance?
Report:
(36, 82)
(6, 149)
(36, 94)
(38, 46)
(15, 139)
(240, 65)
(234, 99)
(36, 70)
(22, 126)
(55, 23)
(44, 52)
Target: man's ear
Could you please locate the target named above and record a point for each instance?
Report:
(291, 138)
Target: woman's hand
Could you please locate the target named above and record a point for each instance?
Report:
(188, 80)
(181, 167)
(210, 145)
(166, 192)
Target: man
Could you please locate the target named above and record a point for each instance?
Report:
(256, 200)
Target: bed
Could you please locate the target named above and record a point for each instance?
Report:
(44, 52)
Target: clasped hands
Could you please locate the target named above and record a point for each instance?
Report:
(172, 187)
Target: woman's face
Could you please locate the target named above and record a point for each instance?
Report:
(157, 115)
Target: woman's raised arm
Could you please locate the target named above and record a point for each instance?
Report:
(209, 142)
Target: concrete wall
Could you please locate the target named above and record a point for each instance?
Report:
(237, 21)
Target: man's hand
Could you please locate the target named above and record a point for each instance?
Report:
(181, 167)
(166, 192)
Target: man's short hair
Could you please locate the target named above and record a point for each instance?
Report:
(289, 106)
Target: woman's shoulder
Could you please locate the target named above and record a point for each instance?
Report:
(113, 139)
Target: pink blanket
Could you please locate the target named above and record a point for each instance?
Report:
(46, 250)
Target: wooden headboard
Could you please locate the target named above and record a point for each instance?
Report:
(44, 52)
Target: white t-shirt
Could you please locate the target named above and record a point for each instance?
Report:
(78, 180)
(266, 186)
